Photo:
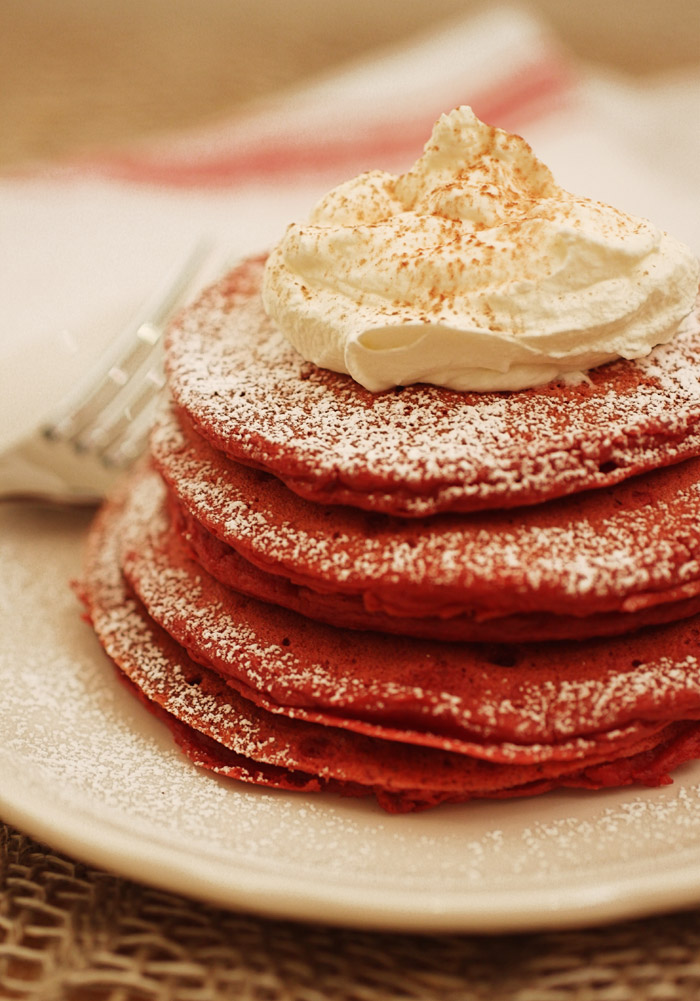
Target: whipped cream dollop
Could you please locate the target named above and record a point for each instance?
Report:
(475, 271)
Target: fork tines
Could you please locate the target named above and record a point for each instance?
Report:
(111, 411)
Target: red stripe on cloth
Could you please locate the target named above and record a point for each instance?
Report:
(533, 91)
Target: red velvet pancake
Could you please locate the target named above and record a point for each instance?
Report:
(348, 610)
(220, 730)
(501, 702)
(422, 449)
(599, 563)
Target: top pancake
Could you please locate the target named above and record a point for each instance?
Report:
(422, 449)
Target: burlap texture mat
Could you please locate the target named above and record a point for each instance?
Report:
(70, 932)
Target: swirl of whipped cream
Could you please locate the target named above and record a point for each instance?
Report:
(475, 271)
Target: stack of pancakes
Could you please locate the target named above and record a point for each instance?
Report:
(422, 595)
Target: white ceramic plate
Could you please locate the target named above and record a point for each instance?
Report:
(84, 767)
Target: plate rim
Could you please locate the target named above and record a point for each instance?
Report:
(501, 910)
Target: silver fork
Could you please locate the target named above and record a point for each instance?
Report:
(101, 427)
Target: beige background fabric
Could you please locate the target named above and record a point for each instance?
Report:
(81, 73)
(76, 74)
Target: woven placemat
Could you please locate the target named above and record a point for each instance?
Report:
(70, 932)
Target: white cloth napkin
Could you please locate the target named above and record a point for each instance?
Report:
(82, 244)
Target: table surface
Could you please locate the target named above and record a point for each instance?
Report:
(75, 75)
